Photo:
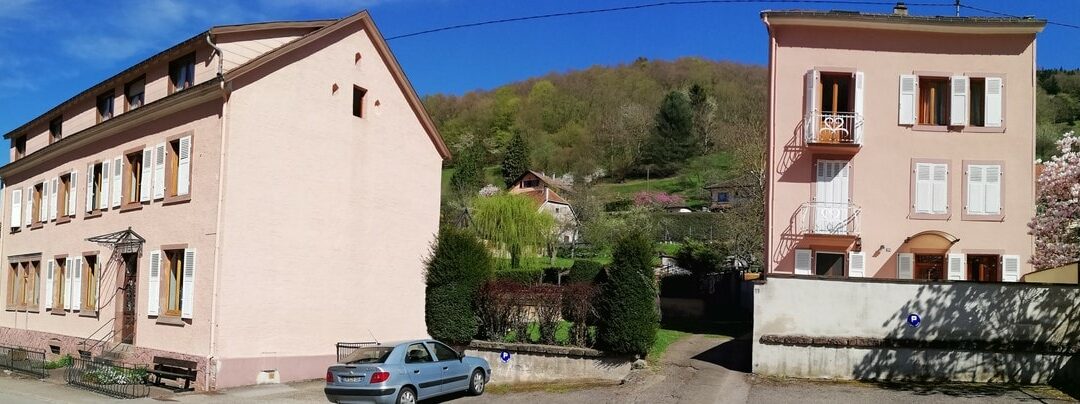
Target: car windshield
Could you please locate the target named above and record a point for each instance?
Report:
(373, 354)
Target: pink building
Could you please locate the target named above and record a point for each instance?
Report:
(254, 165)
(900, 146)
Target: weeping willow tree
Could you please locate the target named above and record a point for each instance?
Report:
(512, 225)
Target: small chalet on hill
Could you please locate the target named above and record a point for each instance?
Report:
(543, 190)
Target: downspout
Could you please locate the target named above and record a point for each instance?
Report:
(226, 89)
(220, 55)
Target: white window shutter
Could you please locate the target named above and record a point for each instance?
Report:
(860, 82)
(958, 104)
(54, 192)
(76, 284)
(159, 171)
(145, 188)
(905, 265)
(941, 188)
(103, 202)
(16, 208)
(857, 264)
(994, 89)
(956, 267)
(43, 202)
(976, 190)
(187, 302)
(1010, 268)
(72, 187)
(68, 268)
(154, 293)
(802, 262)
(924, 188)
(810, 114)
(992, 188)
(47, 294)
(117, 185)
(183, 167)
(89, 188)
(28, 218)
(908, 86)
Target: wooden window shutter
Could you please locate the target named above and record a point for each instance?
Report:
(154, 293)
(54, 192)
(992, 188)
(941, 188)
(89, 188)
(803, 262)
(48, 286)
(16, 208)
(145, 191)
(103, 198)
(860, 82)
(183, 167)
(117, 185)
(958, 103)
(908, 87)
(72, 187)
(811, 108)
(956, 267)
(905, 265)
(159, 171)
(76, 284)
(857, 264)
(994, 89)
(1010, 268)
(187, 301)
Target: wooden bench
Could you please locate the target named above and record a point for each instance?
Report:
(173, 369)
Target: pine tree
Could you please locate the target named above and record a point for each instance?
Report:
(515, 160)
(469, 174)
(672, 140)
(628, 315)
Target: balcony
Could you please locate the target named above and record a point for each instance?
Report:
(833, 131)
(828, 219)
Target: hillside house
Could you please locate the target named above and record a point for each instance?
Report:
(544, 190)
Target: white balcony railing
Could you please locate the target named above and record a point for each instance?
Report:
(830, 128)
(828, 218)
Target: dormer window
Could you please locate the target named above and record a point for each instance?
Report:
(134, 94)
(182, 73)
(20, 147)
(105, 107)
(56, 129)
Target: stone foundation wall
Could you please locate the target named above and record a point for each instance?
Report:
(540, 363)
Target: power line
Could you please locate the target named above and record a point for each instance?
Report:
(653, 5)
(1048, 22)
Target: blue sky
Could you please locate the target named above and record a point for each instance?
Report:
(52, 49)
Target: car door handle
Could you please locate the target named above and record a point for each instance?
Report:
(445, 367)
(416, 371)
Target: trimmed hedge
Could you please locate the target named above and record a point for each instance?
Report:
(456, 269)
(583, 271)
(627, 311)
(522, 276)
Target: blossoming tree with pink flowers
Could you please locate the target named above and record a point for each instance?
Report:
(1056, 225)
(657, 200)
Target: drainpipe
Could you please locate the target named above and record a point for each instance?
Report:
(220, 55)
(226, 89)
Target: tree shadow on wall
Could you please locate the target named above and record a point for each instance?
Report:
(979, 332)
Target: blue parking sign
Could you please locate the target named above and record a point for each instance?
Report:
(914, 320)
(505, 356)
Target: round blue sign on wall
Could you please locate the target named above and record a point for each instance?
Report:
(505, 356)
(914, 320)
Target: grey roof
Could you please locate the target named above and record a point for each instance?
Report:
(914, 19)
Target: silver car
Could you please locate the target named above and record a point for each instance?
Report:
(404, 372)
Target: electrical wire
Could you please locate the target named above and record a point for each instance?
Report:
(1048, 22)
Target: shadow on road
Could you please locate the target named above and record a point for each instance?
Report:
(732, 355)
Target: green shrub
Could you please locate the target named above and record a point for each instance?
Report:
(61, 362)
(522, 276)
(583, 271)
(551, 275)
(627, 312)
(457, 267)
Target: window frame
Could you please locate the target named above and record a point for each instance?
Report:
(39, 201)
(172, 260)
(913, 192)
(95, 190)
(91, 278)
(131, 182)
(945, 110)
(172, 167)
(127, 95)
(63, 185)
(1004, 103)
(110, 98)
(24, 281)
(976, 217)
(59, 298)
(358, 97)
(174, 65)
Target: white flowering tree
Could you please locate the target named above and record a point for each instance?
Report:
(1056, 225)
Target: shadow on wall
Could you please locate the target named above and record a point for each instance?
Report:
(982, 332)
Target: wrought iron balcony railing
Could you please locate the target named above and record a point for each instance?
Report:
(844, 128)
(828, 218)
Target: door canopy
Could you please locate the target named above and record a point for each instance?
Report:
(123, 241)
(931, 240)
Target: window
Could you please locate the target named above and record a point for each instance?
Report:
(985, 105)
(929, 266)
(182, 73)
(533, 183)
(178, 169)
(22, 290)
(837, 93)
(983, 190)
(36, 213)
(931, 189)
(105, 107)
(358, 101)
(56, 129)
(722, 197)
(829, 264)
(89, 285)
(417, 353)
(20, 147)
(443, 352)
(59, 284)
(977, 105)
(172, 282)
(95, 197)
(934, 101)
(133, 178)
(63, 191)
(134, 94)
(984, 268)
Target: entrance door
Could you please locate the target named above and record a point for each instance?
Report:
(829, 264)
(929, 266)
(131, 287)
(985, 268)
(831, 207)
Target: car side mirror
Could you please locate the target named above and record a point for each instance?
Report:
(461, 355)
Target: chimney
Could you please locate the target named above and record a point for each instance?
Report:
(900, 9)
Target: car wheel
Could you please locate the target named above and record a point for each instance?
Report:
(476, 383)
(406, 396)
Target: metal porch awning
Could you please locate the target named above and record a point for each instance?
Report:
(123, 241)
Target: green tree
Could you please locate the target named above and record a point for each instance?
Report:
(628, 315)
(469, 174)
(513, 225)
(459, 264)
(672, 139)
(516, 159)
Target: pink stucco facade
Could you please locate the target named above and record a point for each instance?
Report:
(872, 175)
(310, 225)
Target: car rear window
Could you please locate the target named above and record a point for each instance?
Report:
(373, 354)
